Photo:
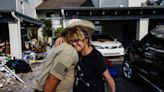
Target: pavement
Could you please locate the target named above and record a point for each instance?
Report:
(123, 85)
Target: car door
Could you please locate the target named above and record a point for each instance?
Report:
(143, 61)
(140, 56)
(136, 55)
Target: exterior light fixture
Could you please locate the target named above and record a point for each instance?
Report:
(141, 12)
(1, 16)
(103, 13)
(77, 13)
(115, 12)
(90, 13)
(128, 12)
(154, 12)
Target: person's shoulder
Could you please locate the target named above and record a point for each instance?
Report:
(67, 46)
(64, 46)
(96, 53)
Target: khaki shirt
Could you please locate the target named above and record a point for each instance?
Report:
(60, 62)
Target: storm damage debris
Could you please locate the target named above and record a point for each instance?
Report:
(7, 76)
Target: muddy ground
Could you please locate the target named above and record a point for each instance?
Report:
(28, 78)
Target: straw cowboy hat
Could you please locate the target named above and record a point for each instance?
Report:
(79, 22)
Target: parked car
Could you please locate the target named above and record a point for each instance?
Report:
(145, 59)
(108, 46)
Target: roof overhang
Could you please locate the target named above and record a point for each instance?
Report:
(6, 16)
(114, 13)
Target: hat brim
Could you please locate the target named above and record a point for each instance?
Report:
(83, 23)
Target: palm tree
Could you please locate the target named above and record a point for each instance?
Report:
(47, 30)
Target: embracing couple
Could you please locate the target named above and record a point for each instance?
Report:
(73, 63)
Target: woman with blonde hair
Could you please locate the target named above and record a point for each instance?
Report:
(91, 69)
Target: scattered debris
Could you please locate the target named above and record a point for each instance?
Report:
(7, 76)
(10, 81)
(29, 80)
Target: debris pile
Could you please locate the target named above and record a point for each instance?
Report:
(6, 79)
(7, 76)
(18, 75)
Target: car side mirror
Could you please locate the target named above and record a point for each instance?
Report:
(146, 45)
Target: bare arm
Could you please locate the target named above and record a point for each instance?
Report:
(51, 83)
(109, 80)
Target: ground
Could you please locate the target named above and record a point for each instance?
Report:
(29, 79)
(122, 85)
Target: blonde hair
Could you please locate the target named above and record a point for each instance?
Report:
(80, 32)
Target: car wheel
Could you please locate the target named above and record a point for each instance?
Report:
(127, 69)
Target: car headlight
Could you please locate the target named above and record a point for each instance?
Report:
(98, 47)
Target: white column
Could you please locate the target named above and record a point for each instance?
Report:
(142, 28)
(15, 40)
(100, 3)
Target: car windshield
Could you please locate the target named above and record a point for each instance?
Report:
(102, 38)
(158, 31)
(152, 41)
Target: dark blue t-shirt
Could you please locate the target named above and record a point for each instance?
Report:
(89, 73)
